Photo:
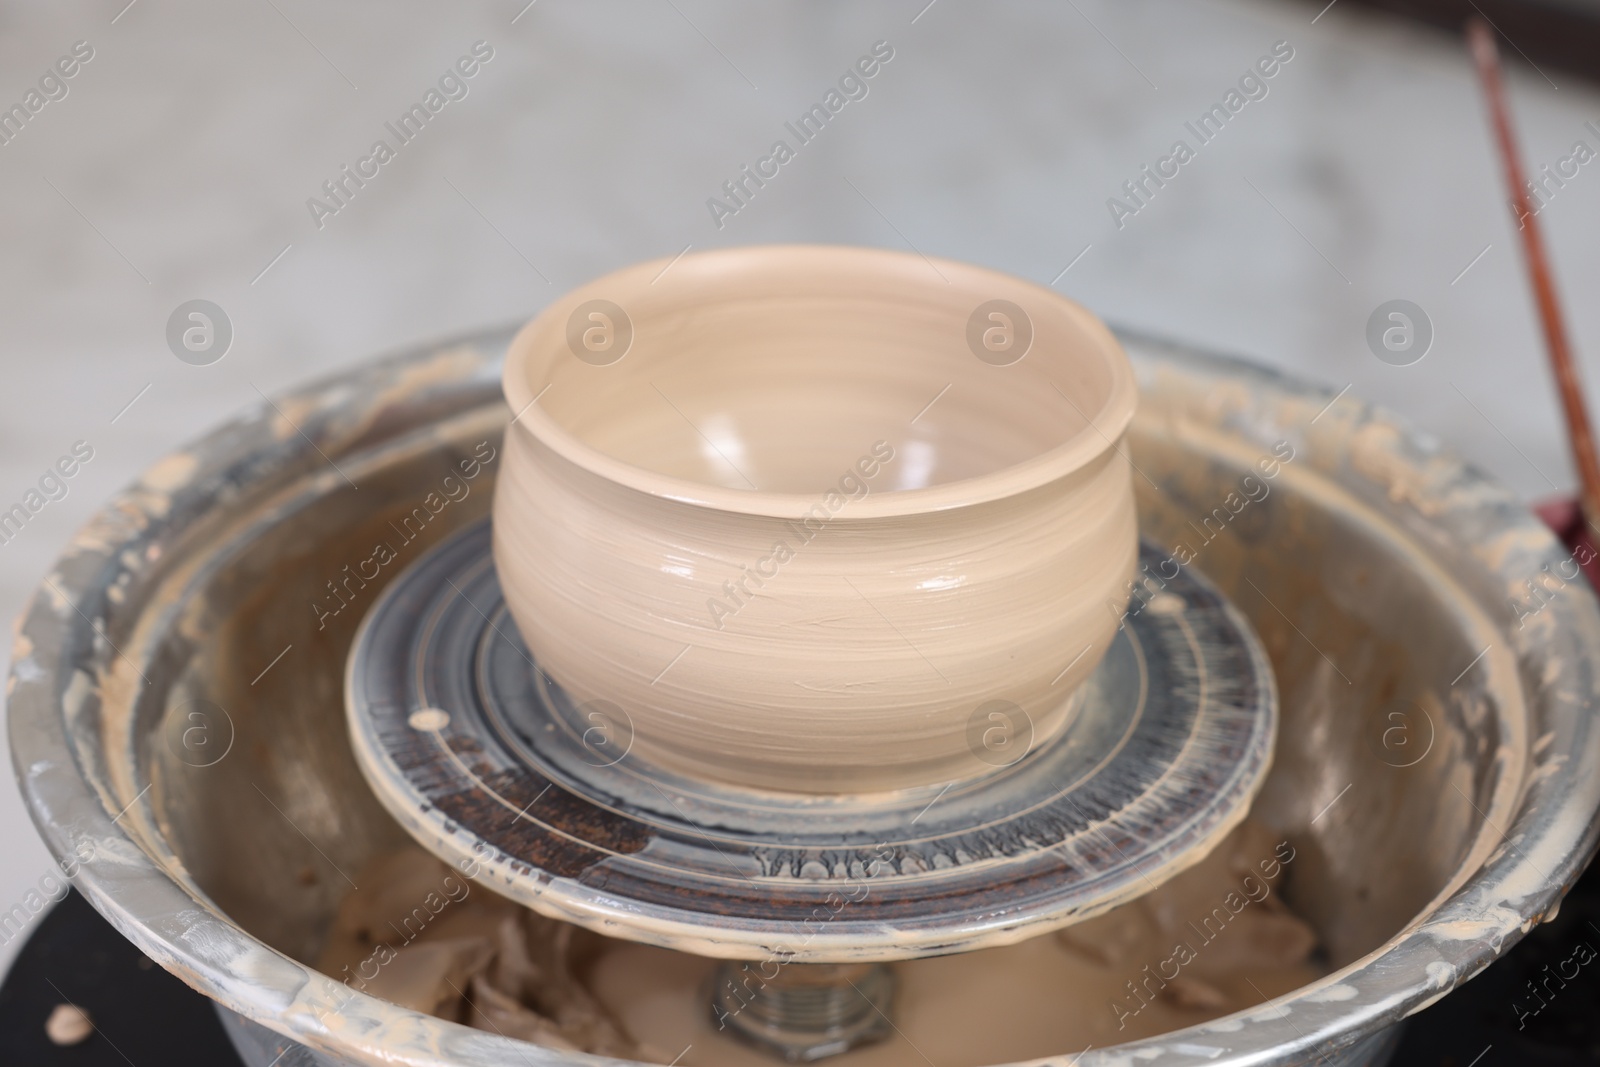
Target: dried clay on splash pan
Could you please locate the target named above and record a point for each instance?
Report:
(1214, 940)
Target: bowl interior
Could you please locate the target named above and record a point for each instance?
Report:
(779, 369)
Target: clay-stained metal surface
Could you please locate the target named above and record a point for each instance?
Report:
(1387, 582)
(487, 762)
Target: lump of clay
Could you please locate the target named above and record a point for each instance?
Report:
(418, 934)
(431, 976)
(404, 897)
(1195, 995)
(68, 1025)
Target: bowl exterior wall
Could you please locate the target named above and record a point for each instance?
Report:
(826, 652)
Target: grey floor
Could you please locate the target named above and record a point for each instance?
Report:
(179, 163)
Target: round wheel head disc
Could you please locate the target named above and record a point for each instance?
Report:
(491, 766)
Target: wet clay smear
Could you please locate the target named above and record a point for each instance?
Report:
(1118, 977)
(420, 935)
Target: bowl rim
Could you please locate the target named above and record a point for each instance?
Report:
(59, 650)
(1102, 432)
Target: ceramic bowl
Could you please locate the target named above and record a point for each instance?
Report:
(814, 518)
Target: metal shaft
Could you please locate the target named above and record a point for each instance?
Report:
(803, 1011)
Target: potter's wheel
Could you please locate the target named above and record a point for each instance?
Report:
(483, 757)
(204, 585)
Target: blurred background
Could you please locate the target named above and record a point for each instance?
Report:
(177, 161)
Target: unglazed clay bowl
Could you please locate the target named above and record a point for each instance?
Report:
(815, 518)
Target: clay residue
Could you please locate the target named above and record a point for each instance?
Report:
(416, 933)
(171, 473)
(1097, 984)
(419, 935)
(1196, 941)
(1375, 452)
(292, 414)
